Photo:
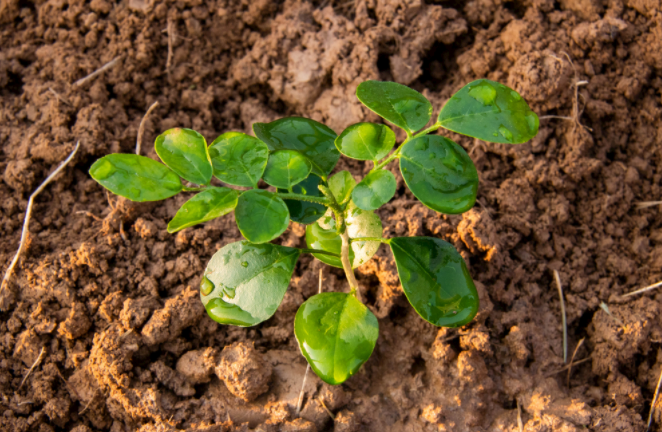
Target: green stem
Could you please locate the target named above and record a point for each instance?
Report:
(299, 197)
(396, 153)
(318, 251)
(379, 239)
(344, 237)
(193, 189)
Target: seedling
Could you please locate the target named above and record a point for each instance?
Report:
(245, 281)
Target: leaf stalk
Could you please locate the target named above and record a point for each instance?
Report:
(396, 153)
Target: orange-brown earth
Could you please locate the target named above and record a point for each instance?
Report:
(111, 298)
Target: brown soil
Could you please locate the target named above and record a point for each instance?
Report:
(112, 298)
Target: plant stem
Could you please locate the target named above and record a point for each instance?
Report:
(379, 239)
(193, 189)
(396, 153)
(347, 266)
(344, 237)
(300, 197)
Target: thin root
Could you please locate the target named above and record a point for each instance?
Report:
(576, 112)
(93, 216)
(328, 411)
(578, 362)
(99, 71)
(34, 365)
(89, 403)
(572, 359)
(605, 308)
(141, 128)
(520, 425)
(171, 40)
(122, 233)
(563, 317)
(28, 212)
(58, 97)
(646, 204)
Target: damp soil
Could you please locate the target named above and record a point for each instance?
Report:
(105, 301)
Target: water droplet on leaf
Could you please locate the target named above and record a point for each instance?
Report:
(244, 264)
(506, 133)
(483, 93)
(206, 286)
(515, 95)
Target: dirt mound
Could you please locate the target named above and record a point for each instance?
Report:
(107, 300)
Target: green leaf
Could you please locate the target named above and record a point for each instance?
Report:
(185, 152)
(244, 283)
(341, 185)
(302, 211)
(207, 205)
(261, 216)
(435, 280)
(402, 106)
(310, 138)
(489, 111)
(360, 223)
(366, 141)
(375, 190)
(135, 177)
(286, 168)
(336, 334)
(439, 173)
(238, 159)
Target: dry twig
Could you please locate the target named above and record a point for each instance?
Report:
(520, 426)
(58, 97)
(305, 375)
(141, 128)
(171, 40)
(328, 411)
(657, 393)
(642, 290)
(34, 365)
(99, 71)
(565, 368)
(28, 212)
(89, 403)
(646, 204)
(564, 322)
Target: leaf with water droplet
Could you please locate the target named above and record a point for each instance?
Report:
(286, 168)
(341, 185)
(312, 139)
(261, 215)
(185, 152)
(323, 235)
(435, 280)
(375, 190)
(247, 295)
(238, 159)
(135, 177)
(366, 141)
(481, 107)
(336, 334)
(447, 183)
(402, 106)
(206, 286)
(209, 204)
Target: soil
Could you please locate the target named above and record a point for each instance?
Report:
(107, 300)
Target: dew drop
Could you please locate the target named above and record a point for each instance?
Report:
(230, 292)
(244, 264)
(532, 120)
(483, 93)
(495, 134)
(206, 286)
(506, 133)
(103, 170)
(515, 95)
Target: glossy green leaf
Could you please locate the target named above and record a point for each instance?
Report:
(341, 185)
(135, 177)
(310, 138)
(375, 190)
(402, 106)
(185, 152)
(336, 334)
(244, 283)
(286, 168)
(261, 216)
(435, 280)
(439, 173)
(360, 223)
(366, 141)
(204, 206)
(302, 211)
(489, 111)
(238, 159)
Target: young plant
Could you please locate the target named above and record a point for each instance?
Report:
(244, 282)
